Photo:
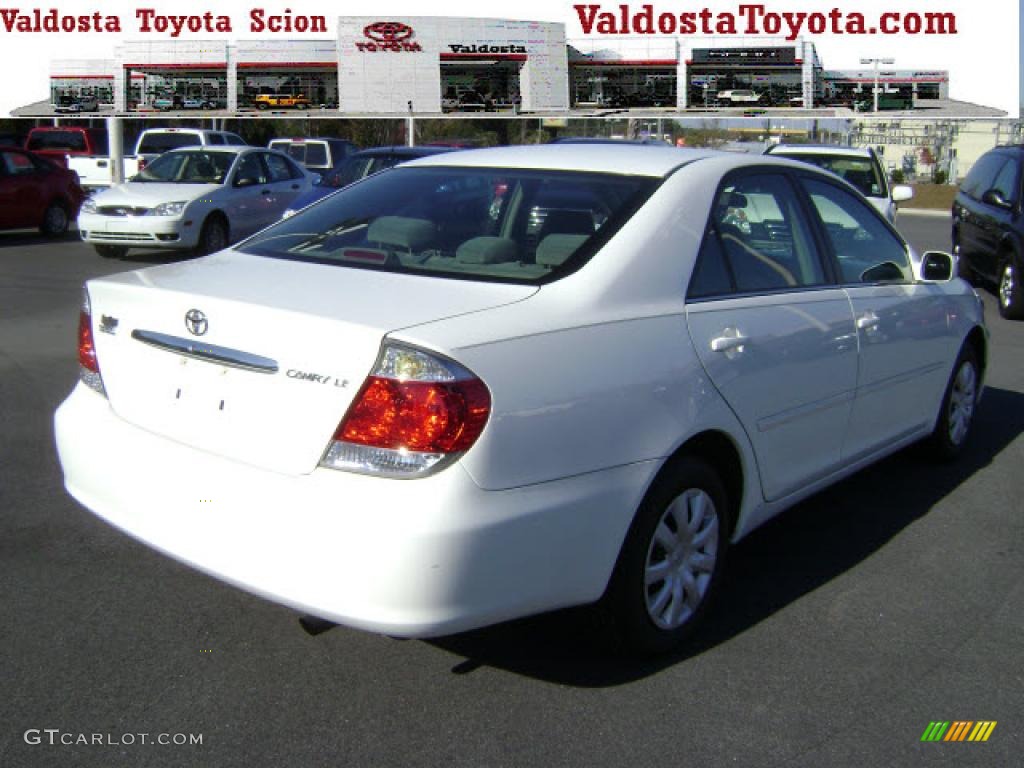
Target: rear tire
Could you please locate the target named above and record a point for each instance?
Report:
(1010, 293)
(213, 237)
(671, 562)
(55, 220)
(111, 251)
(959, 405)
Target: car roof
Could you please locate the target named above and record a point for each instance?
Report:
(819, 149)
(627, 159)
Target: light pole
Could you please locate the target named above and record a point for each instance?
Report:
(876, 62)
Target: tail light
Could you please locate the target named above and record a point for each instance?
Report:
(142, 164)
(415, 414)
(88, 363)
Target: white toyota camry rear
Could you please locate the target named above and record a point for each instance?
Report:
(492, 383)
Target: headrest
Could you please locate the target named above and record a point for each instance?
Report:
(411, 234)
(555, 249)
(487, 250)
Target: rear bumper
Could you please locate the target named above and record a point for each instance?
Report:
(411, 558)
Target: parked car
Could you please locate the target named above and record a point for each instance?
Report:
(858, 166)
(58, 143)
(35, 192)
(80, 104)
(988, 226)
(197, 103)
(358, 166)
(739, 96)
(281, 101)
(318, 154)
(199, 199)
(408, 410)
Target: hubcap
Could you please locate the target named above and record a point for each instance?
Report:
(961, 402)
(681, 559)
(1006, 286)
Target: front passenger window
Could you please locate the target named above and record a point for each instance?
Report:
(866, 249)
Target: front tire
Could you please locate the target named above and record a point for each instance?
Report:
(958, 406)
(1011, 294)
(672, 559)
(55, 220)
(213, 237)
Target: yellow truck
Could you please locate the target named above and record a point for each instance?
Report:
(281, 101)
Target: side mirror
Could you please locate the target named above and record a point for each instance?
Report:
(902, 193)
(995, 197)
(937, 266)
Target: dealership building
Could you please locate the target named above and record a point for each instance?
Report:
(427, 64)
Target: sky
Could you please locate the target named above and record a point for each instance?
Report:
(983, 57)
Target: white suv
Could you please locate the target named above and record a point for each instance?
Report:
(857, 166)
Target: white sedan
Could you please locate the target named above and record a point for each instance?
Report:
(200, 198)
(492, 383)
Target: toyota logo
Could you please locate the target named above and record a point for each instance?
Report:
(196, 322)
(388, 31)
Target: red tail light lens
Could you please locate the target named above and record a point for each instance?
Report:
(414, 414)
(88, 363)
(417, 415)
(142, 163)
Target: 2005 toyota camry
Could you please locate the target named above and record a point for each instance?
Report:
(492, 383)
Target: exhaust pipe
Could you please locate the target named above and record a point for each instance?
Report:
(314, 625)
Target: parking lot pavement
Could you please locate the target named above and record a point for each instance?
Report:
(843, 629)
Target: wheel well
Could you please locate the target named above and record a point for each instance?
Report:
(976, 338)
(718, 450)
(223, 220)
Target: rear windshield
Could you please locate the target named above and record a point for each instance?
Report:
(505, 225)
(158, 143)
(69, 141)
(861, 172)
(311, 155)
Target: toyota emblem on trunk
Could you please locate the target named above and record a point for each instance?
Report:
(196, 322)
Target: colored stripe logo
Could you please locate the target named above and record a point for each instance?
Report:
(958, 730)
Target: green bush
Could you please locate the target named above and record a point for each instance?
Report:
(898, 176)
(940, 176)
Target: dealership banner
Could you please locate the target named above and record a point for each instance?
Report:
(979, 51)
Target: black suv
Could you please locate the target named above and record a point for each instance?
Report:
(988, 230)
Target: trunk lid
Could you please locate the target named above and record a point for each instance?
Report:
(284, 348)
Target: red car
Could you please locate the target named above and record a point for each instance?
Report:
(35, 192)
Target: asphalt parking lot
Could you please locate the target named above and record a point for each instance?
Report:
(843, 629)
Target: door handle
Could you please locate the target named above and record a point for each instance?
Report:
(731, 340)
(295, 186)
(867, 321)
(265, 192)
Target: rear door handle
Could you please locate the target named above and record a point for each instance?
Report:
(265, 192)
(295, 186)
(731, 340)
(867, 321)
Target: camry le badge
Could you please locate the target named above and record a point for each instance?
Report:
(196, 322)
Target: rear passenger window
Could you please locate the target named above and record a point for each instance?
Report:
(710, 274)
(866, 249)
(280, 169)
(215, 138)
(761, 231)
